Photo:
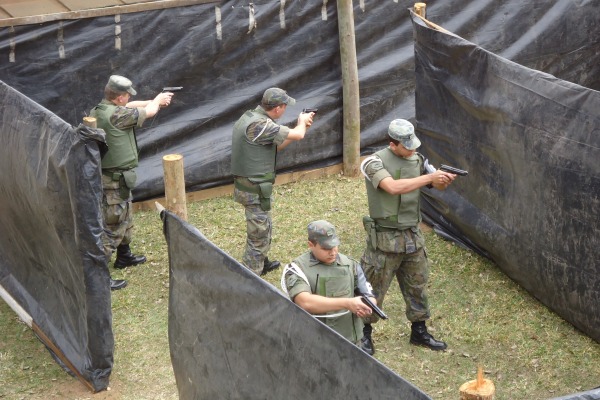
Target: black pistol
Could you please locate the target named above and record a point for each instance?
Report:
(309, 110)
(453, 170)
(376, 310)
(172, 89)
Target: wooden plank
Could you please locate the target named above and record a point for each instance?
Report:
(25, 8)
(75, 5)
(99, 12)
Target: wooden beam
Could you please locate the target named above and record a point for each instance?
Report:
(100, 12)
(350, 89)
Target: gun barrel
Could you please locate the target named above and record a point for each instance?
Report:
(172, 89)
(453, 170)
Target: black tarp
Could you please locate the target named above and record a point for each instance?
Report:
(531, 143)
(52, 262)
(588, 395)
(224, 66)
(233, 335)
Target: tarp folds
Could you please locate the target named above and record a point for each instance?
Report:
(226, 54)
(531, 144)
(233, 335)
(51, 258)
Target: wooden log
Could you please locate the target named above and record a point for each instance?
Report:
(350, 93)
(90, 121)
(478, 389)
(420, 9)
(175, 185)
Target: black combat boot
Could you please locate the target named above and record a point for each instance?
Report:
(126, 259)
(116, 284)
(269, 266)
(420, 337)
(366, 343)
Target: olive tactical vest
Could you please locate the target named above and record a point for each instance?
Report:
(338, 280)
(401, 211)
(251, 159)
(122, 148)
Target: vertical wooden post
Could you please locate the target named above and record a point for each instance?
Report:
(351, 102)
(420, 9)
(175, 185)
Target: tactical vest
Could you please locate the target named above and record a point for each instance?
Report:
(337, 280)
(122, 151)
(396, 211)
(249, 159)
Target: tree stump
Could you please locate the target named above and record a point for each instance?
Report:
(478, 389)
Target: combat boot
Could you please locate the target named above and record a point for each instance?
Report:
(269, 266)
(125, 258)
(116, 284)
(420, 337)
(366, 343)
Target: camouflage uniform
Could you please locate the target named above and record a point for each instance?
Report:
(117, 198)
(254, 150)
(341, 279)
(393, 248)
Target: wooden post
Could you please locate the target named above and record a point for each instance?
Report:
(479, 389)
(90, 121)
(420, 9)
(351, 104)
(175, 185)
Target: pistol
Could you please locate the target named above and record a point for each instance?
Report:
(172, 89)
(453, 170)
(309, 110)
(376, 310)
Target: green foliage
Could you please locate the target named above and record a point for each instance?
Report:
(486, 319)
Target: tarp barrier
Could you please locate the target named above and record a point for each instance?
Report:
(225, 62)
(51, 258)
(588, 395)
(233, 335)
(531, 143)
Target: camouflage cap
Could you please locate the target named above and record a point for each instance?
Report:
(404, 132)
(120, 84)
(323, 233)
(275, 96)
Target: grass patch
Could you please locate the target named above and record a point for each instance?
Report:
(527, 350)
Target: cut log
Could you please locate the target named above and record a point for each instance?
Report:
(478, 389)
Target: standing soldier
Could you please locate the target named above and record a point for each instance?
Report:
(254, 145)
(395, 244)
(117, 116)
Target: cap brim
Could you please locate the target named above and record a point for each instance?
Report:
(291, 101)
(131, 91)
(411, 144)
(330, 243)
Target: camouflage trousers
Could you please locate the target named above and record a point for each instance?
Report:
(259, 229)
(117, 214)
(390, 258)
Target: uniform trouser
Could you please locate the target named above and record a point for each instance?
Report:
(259, 228)
(411, 272)
(118, 216)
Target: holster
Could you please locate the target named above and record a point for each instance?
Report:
(266, 190)
(369, 225)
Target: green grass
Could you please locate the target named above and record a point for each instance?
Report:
(486, 319)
